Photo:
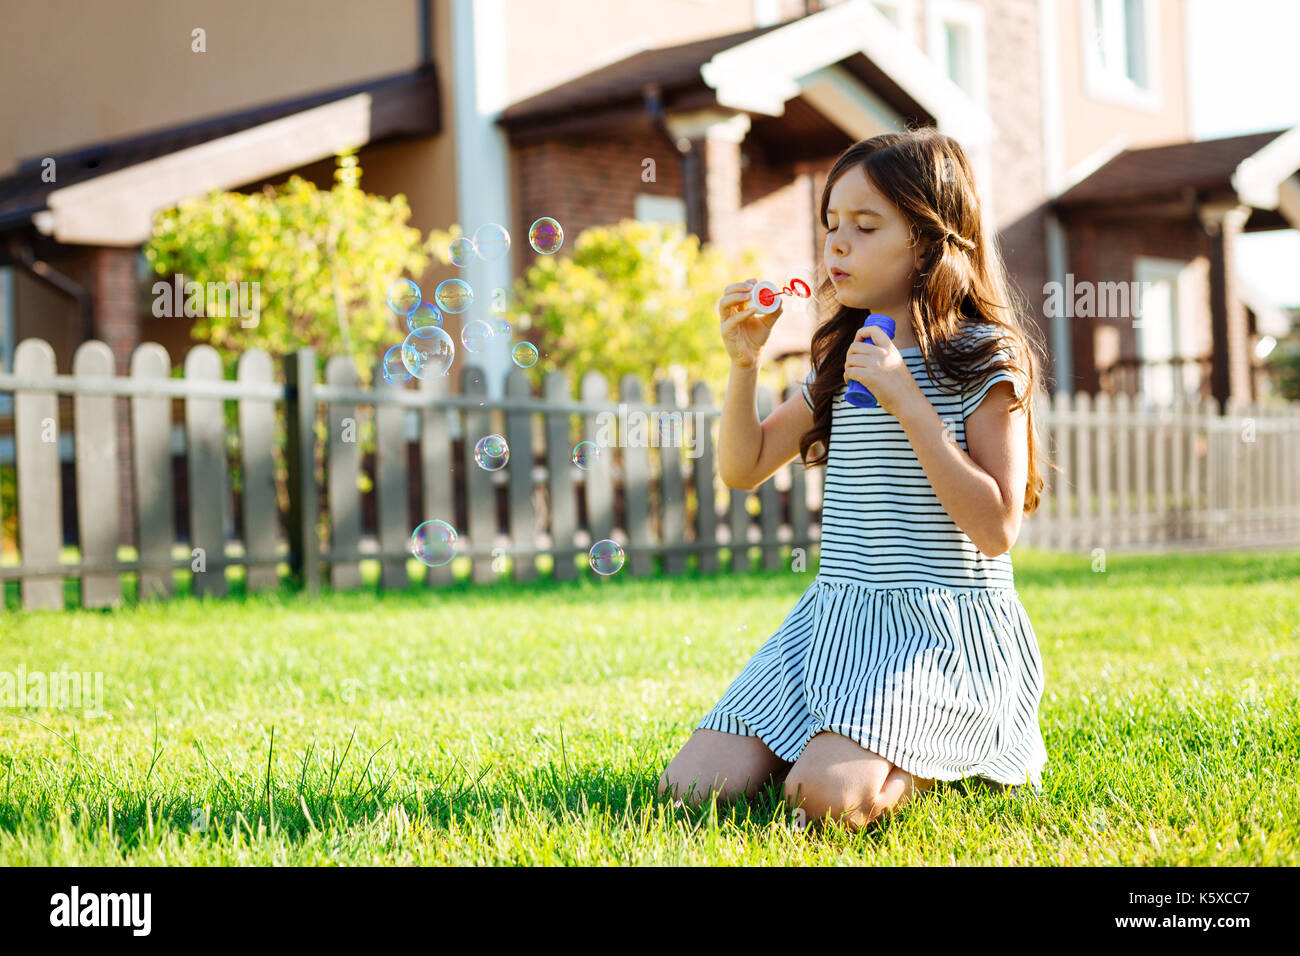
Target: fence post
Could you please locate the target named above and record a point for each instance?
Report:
(563, 508)
(769, 517)
(672, 489)
(636, 487)
(151, 456)
(392, 502)
(37, 469)
(704, 479)
(342, 466)
(96, 464)
(259, 515)
(300, 458)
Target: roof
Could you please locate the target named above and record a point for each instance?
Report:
(813, 84)
(1171, 169)
(403, 104)
(671, 68)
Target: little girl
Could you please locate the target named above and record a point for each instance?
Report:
(909, 659)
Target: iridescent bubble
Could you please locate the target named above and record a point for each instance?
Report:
(425, 314)
(546, 236)
(498, 325)
(670, 427)
(524, 354)
(492, 241)
(606, 556)
(395, 370)
(476, 335)
(453, 295)
(461, 251)
(403, 296)
(434, 543)
(428, 352)
(492, 453)
(585, 454)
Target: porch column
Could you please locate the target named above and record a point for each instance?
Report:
(1230, 341)
(716, 137)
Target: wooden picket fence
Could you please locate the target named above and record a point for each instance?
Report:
(1131, 476)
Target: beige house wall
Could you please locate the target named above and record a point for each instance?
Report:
(1090, 123)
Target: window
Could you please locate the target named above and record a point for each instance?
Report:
(1164, 350)
(955, 38)
(668, 209)
(1121, 51)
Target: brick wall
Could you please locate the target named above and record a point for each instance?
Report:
(1019, 189)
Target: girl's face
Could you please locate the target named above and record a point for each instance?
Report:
(868, 254)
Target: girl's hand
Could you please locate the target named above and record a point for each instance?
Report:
(744, 332)
(874, 361)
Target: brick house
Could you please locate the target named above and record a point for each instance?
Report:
(1074, 113)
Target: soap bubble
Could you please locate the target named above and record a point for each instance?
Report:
(403, 296)
(461, 251)
(492, 453)
(434, 543)
(498, 325)
(546, 236)
(606, 556)
(476, 335)
(395, 370)
(524, 354)
(585, 454)
(492, 241)
(428, 352)
(425, 314)
(453, 295)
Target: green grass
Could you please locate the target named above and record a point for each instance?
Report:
(529, 724)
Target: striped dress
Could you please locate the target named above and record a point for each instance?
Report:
(909, 641)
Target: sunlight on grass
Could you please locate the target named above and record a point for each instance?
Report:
(529, 723)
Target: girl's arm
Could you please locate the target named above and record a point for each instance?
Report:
(983, 491)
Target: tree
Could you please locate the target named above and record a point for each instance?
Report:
(634, 298)
(321, 262)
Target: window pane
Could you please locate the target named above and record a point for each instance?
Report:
(1135, 42)
(957, 54)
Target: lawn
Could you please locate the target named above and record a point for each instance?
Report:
(529, 724)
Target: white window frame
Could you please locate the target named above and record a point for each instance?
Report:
(655, 208)
(1108, 87)
(1177, 273)
(970, 16)
(903, 16)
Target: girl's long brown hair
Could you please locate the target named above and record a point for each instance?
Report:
(962, 280)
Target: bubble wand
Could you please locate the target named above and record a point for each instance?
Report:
(764, 295)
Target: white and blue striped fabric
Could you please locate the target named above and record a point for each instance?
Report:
(909, 640)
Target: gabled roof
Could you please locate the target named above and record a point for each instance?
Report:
(397, 105)
(844, 70)
(1153, 171)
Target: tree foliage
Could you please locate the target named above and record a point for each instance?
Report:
(635, 298)
(322, 261)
